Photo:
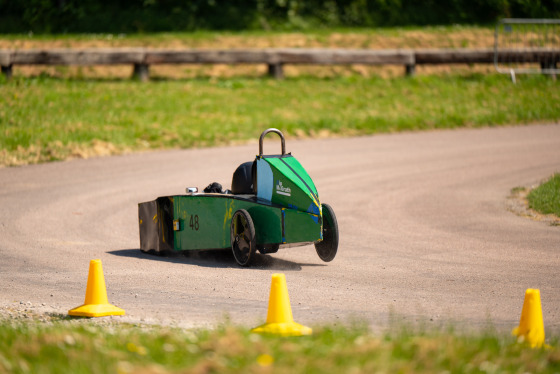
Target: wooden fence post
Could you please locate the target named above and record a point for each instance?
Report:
(141, 72)
(276, 70)
(7, 71)
(549, 65)
(410, 70)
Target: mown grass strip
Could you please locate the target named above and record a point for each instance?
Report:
(65, 347)
(44, 119)
(545, 199)
(455, 36)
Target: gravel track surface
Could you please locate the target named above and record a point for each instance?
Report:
(426, 234)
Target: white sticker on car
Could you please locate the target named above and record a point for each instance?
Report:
(281, 190)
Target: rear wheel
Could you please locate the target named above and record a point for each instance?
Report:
(243, 242)
(327, 248)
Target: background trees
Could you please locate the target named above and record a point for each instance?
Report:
(124, 16)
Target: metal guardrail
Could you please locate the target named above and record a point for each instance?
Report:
(515, 39)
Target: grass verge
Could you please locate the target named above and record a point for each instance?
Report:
(62, 347)
(545, 199)
(45, 119)
(456, 36)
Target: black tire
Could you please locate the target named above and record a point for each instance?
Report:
(268, 248)
(327, 248)
(243, 241)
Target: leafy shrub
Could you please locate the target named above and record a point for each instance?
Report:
(59, 16)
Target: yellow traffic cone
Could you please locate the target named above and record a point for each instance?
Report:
(96, 303)
(279, 320)
(531, 325)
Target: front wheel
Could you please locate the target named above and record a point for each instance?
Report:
(243, 241)
(327, 248)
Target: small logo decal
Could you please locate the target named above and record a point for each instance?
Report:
(281, 190)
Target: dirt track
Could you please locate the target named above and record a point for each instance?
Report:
(425, 233)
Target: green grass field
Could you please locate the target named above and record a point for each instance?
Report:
(63, 346)
(545, 199)
(56, 113)
(44, 118)
(456, 36)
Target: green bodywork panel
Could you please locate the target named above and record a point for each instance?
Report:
(205, 221)
(301, 227)
(283, 181)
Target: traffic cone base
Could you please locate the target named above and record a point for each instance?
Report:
(279, 319)
(283, 329)
(98, 310)
(531, 325)
(96, 303)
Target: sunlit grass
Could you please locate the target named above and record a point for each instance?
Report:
(456, 36)
(63, 347)
(44, 118)
(545, 199)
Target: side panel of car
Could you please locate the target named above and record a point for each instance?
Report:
(203, 222)
(193, 222)
(300, 227)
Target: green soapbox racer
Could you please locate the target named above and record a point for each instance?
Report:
(273, 203)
